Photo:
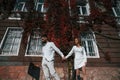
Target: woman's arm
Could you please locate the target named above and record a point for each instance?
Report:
(70, 53)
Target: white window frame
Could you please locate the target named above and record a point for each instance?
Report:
(87, 6)
(4, 40)
(40, 55)
(95, 47)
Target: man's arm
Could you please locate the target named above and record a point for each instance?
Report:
(69, 54)
(57, 50)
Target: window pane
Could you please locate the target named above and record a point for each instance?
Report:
(116, 8)
(39, 7)
(117, 11)
(91, 48)
(78, 10)
(11, 42)
(112, 13)
(41, 1)
(35, 45)
(19, 7)
(84, 10)
(6, 47)
(87, 41)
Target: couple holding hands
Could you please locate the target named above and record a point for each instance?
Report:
(49, 50)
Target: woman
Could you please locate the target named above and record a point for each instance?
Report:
(80, 59)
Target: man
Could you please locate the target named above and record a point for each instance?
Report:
(48, 51)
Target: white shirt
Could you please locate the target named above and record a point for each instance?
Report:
(49, 51)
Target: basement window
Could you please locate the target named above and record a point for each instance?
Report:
(89, 42)
(10, 43)
(34, 47)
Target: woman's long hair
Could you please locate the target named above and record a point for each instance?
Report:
(79, 40)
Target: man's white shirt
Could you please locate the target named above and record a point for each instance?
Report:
(48, 51)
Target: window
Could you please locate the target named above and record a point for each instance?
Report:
(116, 13)
(89, 43)
(20, 6)
(83, 10)
(34, 46)
(11, 42)
(116, 10)
(40, 5)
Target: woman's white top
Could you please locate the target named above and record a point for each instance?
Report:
(49, 51)
(80, 56)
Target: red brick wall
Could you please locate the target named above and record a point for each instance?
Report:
(93, 73)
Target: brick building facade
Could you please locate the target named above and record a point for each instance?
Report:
(103, 48)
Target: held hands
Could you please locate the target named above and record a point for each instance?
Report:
(63, 58)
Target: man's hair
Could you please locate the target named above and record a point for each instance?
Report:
(44, 35)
